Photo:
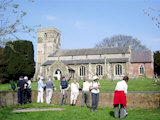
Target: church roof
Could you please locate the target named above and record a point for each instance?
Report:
(89, 51)
(141, 56)
(87, 61)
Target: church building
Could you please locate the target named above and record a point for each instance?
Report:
(107, 63)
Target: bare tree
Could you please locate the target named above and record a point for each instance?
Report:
(121, 41)
(154, 14)
(11, 21)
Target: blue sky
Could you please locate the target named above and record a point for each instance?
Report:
(83, 23)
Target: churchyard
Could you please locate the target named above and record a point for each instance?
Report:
(74, 113)
(140, 84)
(83, 113)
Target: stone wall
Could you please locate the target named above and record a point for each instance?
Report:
(135, 100)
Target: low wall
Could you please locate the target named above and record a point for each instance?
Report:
(135, 100)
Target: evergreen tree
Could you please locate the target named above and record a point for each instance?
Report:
(3, 73)
(157, 62)
(19, 56)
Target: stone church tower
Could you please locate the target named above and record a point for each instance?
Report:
(107, 63)
(48, 42)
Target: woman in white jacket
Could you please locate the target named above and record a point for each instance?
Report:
(74, 92)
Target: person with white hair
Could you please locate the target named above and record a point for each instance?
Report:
(40, 90)
(94, 87)
(74, 92)
(25, 89)
(28, 89)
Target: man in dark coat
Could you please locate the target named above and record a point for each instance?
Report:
(20, 85)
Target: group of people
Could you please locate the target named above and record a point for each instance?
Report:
(24, 90)
(87, 87)
(49, 90)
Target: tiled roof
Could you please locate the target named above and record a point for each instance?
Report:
(49, 62)
(141, 56)
(86, 61)
(90, 51)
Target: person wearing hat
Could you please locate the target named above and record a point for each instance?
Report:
(40, 90)
(120, 98)
(94, 87)
(20, 85)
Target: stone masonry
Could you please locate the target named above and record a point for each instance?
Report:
(107, 63)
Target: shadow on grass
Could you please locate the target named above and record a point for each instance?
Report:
(111, 113)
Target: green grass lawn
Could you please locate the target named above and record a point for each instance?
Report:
(75, 113)
(141, 84)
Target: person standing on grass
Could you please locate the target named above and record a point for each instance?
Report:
(74, 92)
(85, 93)
(64, 86)
(25, 89)
(120, 98)
(49, 90)
(94, 87)
(29, 90)
(20, 85)
(40, 90)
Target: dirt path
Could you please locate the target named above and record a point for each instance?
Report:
(37, 109)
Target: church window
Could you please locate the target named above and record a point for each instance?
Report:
(99, 70)
(141, 69)
(118, 69)
(82, 71)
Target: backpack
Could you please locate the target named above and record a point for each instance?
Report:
(13, 86)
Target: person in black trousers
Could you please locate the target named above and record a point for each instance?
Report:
(20, 85)
(25, 90)
(29, 91)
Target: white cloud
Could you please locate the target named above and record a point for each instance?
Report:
(79, 24)
(50, 17)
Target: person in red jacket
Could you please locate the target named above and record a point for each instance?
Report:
(120, 98)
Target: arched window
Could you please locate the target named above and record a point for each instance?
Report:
(141, 69)
(82, 71)
(99, 70)
(118, 69)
